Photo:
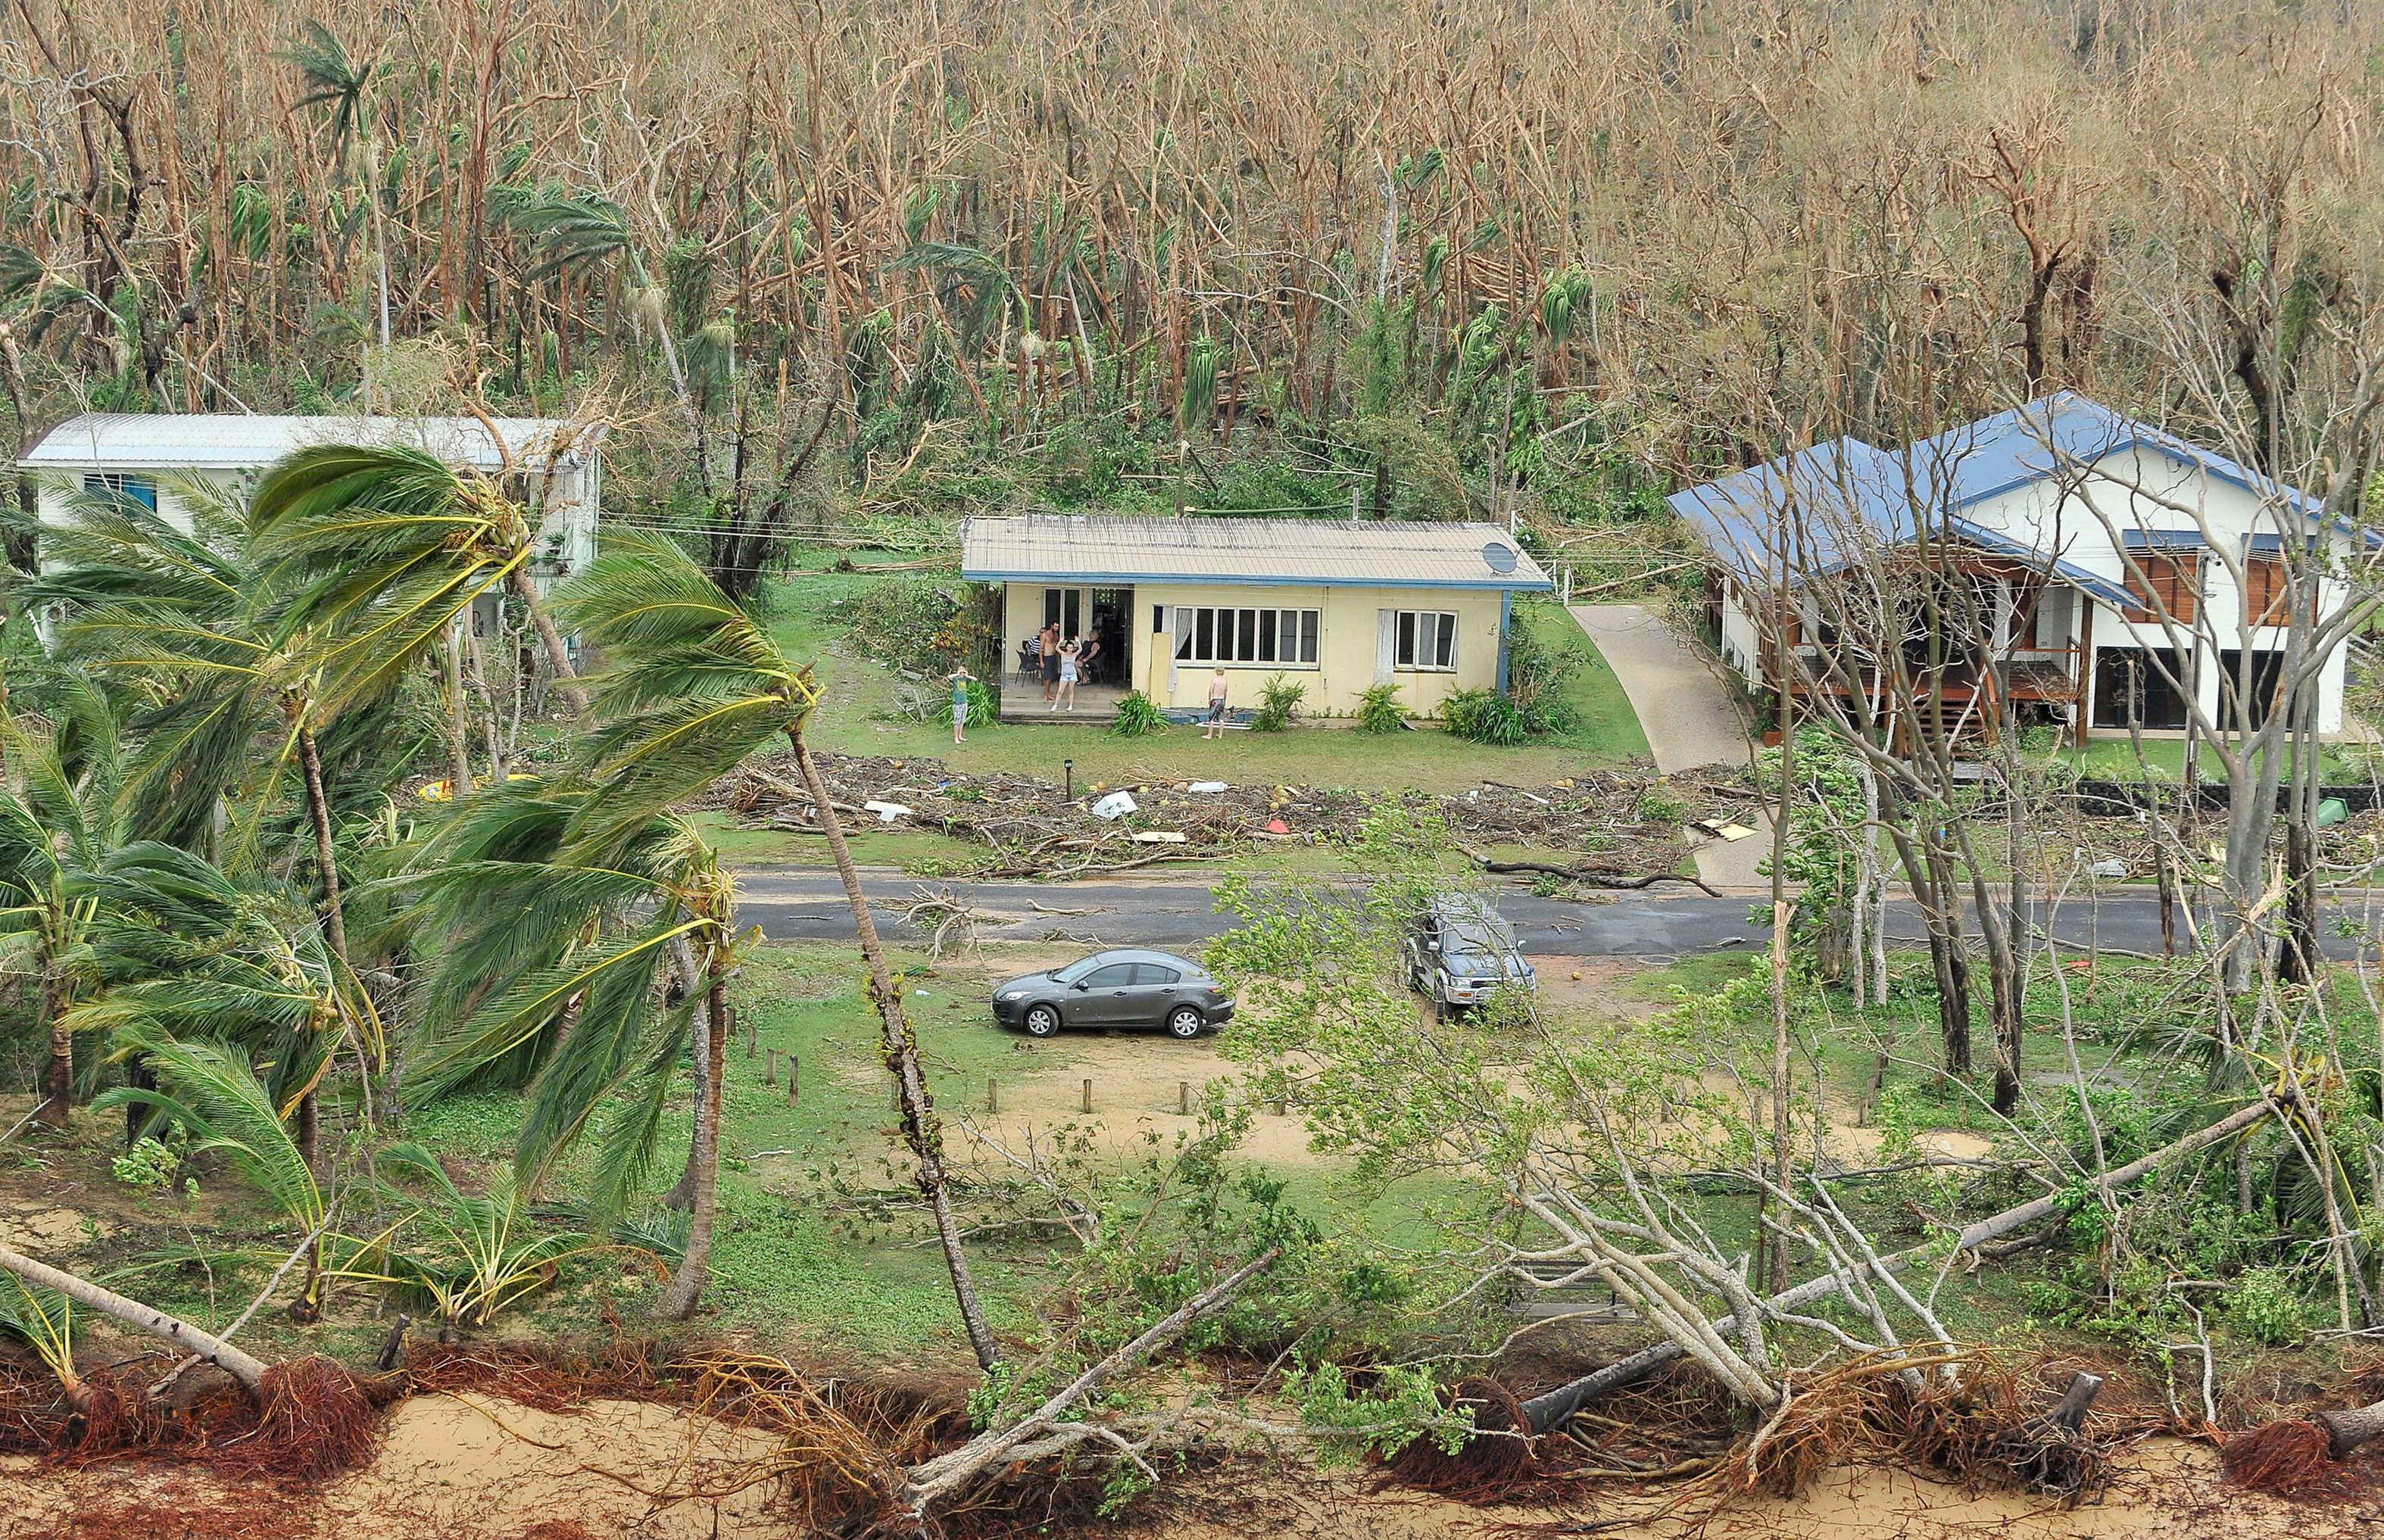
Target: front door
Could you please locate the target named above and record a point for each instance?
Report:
(1113, 629)
(1065, 609)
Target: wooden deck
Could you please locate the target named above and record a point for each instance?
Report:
(1023, 704)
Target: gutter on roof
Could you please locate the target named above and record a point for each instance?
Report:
(1517, 584)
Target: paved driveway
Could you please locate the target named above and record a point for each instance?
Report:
(1689, 718)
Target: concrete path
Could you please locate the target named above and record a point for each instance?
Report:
(1689, 719)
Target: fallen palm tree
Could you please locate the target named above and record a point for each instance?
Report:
(2299, 1457)
(305, 1419)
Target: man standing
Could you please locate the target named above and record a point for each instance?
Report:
(1216, 728)
(1048, 654)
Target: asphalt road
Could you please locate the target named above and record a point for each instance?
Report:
(807, 903)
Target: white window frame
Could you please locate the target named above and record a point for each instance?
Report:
(1424, 642)
(1252, 634)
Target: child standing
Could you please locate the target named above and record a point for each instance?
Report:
(962, 679)
(1216, 728)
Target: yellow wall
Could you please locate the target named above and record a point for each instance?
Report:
(1345, 643)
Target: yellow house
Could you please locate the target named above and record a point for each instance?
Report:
(1159, 603)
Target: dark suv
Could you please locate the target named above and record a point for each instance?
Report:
(1129, 988)
(1461, 951)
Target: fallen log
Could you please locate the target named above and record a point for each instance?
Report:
(249, 1372)
(1550, 1409)
(1586, 878)
(932, 1480)
(2347, 1429)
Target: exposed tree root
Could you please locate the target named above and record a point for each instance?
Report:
(1487, 1466)
(2290, 1458)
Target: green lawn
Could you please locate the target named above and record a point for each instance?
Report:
(858, 717)
(2116, 758)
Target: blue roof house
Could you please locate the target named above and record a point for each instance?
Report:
(2104, 575)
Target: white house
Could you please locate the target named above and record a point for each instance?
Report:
(2092, 542)
(554, 465)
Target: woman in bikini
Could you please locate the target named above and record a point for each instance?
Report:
(1070, 658)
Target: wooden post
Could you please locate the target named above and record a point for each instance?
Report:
(1184, 1099)
(992, 1095)
(1089, 1098)
(770, 1076)
(793, 1064)
(734, 1015)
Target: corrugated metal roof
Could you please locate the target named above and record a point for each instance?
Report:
(1069, 548)
(1841, 496)
(117, 440)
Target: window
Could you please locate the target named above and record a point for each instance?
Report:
(1064, 608)
(2267, 590)
(2258, 690)
(130, 488)
(2171, 586)
(1427, 639)
(1205, 634)
(1154, 973)
(1117, 975)
(2131, 690)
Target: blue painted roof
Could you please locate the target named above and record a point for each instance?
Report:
(1848, 493)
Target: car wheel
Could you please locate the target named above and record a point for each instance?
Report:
(1184, 1023)
(1042, 1021)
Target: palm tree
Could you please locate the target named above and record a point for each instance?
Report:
(381, 550)
(552, 960)
(58, 826)
(184, 952)
(693, 687)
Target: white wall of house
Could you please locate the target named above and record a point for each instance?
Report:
(566, 499)
(2085, 524)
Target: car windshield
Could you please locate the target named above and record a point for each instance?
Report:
(1476, 933)
(1079, 968)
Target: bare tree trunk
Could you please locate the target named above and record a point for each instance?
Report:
(679, 1300)
(249, 1372)
(899, 1046)
(459, 742)
(326, 860)
(682, 1193)
(558, 657)
(1924, 869)
(57, 1079)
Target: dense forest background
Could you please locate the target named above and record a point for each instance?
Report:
(830, 266)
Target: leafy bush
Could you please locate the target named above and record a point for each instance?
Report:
(1278, 699)
(985, 705)
(1379, 710)
(151, 1162)
(923, 623)
(1138, 718)
(1536, 676)
(1483, 715)
(2267, 1306)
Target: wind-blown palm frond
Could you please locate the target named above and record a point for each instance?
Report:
(379, 548)
(496, 1260)
(211, 1091)
(693, 688)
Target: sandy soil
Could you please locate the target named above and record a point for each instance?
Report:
(484, 1468)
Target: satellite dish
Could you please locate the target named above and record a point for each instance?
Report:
(1498, 558)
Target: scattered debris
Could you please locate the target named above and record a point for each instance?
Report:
(1596, 824)
(1117, 805)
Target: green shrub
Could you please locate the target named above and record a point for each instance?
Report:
(1278, 699)
(1483, 715)
(985, 704)
(923, 623)
(1535, 677)
(2267, 1306)
(1138, 718)
(1379, 710)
